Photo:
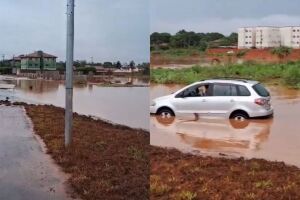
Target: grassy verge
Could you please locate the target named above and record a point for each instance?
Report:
(179, 176)
(288, 74)
(106, 161)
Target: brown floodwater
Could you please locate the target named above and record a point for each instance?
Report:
(121, 105)
(273, 139)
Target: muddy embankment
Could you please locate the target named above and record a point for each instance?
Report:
(190, 177)
(218, 56)
(105, 161)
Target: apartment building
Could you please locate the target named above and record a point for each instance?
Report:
(246, 37)
(268, 37)
(290, 36)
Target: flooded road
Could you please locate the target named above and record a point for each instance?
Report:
(272, 139)
(121, 105)
(26, 172)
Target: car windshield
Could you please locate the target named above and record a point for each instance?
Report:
(261, 90)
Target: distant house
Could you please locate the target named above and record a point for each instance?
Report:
(38, 61)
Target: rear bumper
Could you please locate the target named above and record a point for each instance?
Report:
(262, 113)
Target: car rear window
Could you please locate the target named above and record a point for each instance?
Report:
(243, 91)
(261, 90)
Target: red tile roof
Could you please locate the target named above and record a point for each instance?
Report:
(37, 54)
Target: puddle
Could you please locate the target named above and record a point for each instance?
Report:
(272, 139)
(121, 105)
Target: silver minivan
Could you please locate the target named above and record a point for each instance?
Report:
(238, 99)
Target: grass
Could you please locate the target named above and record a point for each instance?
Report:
(288, 73)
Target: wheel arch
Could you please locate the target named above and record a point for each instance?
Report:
(239, 111)
(165, 107)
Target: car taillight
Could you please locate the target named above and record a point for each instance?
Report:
(260, 102)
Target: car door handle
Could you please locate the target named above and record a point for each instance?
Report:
(203, 100)
(232, 100)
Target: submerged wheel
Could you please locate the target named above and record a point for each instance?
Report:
(239, 120)
(239, 116)
(165, 116)
(165, 113)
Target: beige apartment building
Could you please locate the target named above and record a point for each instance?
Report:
(268, 37)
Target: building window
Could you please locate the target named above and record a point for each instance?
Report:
(294, 30)
(246, 42)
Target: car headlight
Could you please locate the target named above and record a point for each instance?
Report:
(153, 103)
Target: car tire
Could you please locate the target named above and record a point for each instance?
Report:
(239, 120)
(165, 113)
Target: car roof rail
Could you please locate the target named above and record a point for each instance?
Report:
(245, 80)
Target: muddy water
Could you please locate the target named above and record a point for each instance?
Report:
(121, 105)
(272, 139)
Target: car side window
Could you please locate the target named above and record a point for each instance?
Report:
(225, 90)
(243, 91)
(196, 91)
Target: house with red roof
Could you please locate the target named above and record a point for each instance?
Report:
(38, 61)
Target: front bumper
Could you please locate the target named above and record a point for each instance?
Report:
(153, 109)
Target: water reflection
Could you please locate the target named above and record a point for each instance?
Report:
(215, 135)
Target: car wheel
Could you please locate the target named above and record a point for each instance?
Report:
(239, 116)
(165, 113)
(239, 120)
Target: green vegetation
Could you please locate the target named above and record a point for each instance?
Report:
(178, 53)
(189, 39)
(288, 73)
(281, 52)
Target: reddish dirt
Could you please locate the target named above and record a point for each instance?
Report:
(175, 175)
(219, 55)
(106, 161)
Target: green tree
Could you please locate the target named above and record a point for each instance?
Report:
(118, 65)
(132, 64)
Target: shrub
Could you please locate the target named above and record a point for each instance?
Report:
(292, 76)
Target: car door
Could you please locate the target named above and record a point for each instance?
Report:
(223, 99)
(189, 100)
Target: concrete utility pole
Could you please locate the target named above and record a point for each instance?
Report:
(69, 73)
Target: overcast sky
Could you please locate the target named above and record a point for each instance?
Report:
(223, 16)
(107, 30)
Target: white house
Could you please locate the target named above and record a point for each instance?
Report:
(268, 36)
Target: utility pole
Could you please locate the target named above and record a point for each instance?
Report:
(69, 73)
